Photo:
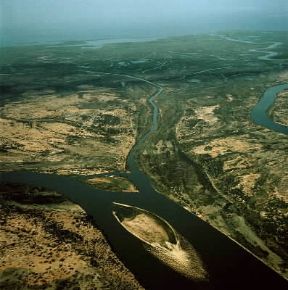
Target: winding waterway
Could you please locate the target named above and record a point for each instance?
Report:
(260, 113)
(228, 264)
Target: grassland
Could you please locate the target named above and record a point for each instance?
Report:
(77, 110)
(48, 242)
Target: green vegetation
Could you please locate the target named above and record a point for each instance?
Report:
(207, 154)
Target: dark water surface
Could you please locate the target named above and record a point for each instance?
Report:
(260, 113)
(230, 267)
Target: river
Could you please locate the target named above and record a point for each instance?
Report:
(260, 113)
(229, 265)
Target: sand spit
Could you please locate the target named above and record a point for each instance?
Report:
(161, 240)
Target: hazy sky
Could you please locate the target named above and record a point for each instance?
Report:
(25, 17)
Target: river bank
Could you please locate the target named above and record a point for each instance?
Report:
(56, 244)
(225, 260)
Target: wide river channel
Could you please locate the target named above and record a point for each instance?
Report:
(229, 265)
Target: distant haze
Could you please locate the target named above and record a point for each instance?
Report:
(56, 20)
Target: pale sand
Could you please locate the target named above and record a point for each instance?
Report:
(146, 228)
